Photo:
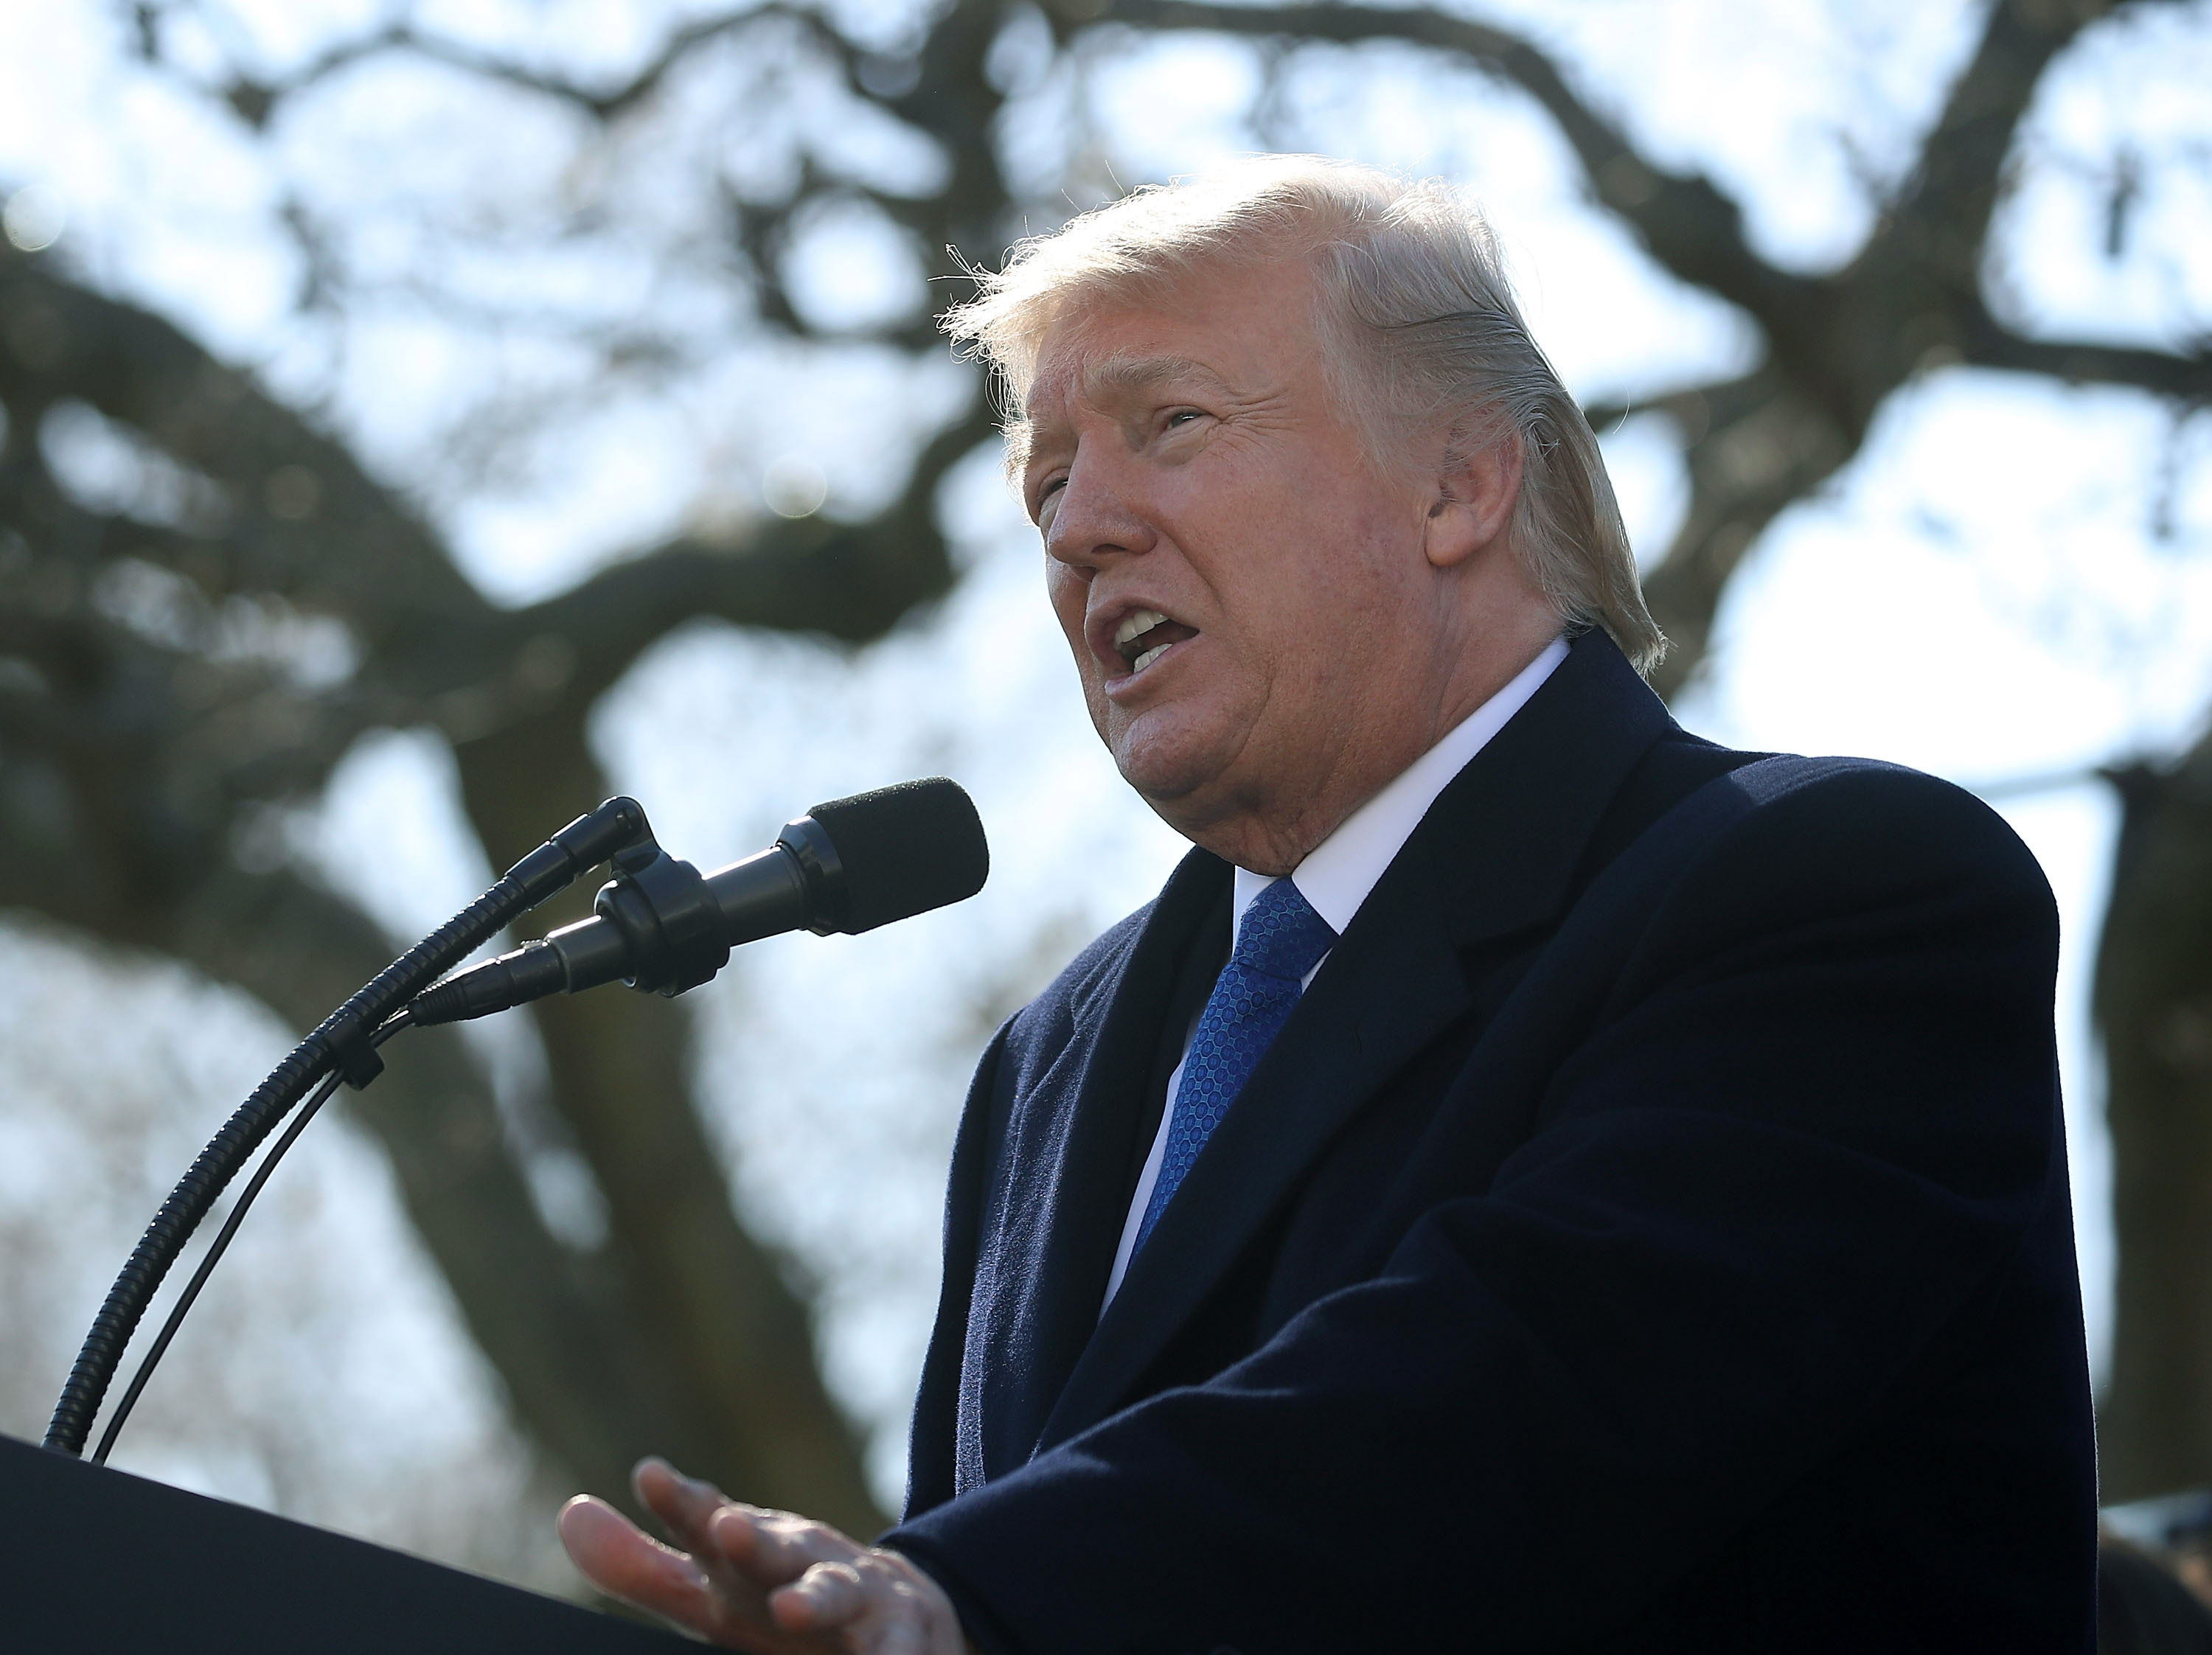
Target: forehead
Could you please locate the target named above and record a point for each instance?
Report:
(1231, 330)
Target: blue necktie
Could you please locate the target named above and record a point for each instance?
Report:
(1280, 942)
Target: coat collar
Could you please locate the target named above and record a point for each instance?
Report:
(1495, 854)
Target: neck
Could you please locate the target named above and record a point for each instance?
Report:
(1271, 829)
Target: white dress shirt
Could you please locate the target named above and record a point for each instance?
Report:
(1338, 874)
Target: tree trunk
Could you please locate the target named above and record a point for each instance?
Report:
(2154, 1008)
(737, 1399)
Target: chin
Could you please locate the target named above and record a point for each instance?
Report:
(1175, 758)
(1181, 783)
(1160, 783)
(1162, 774)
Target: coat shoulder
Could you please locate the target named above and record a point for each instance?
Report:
(1833, 814)
(1786, 855)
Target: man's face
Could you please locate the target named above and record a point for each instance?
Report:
(1245, 593)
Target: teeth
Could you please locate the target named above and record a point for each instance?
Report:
(1136, 621)
(1149, 656)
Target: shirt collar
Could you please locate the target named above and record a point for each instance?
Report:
(1338, 873)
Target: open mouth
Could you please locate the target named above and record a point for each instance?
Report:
(1145, 635)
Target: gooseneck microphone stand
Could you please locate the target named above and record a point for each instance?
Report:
(660, 926)
(343, 1048)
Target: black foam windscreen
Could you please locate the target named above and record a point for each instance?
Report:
(905, 850)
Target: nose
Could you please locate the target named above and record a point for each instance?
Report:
(1096, 516)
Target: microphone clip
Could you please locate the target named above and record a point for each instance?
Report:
(666, 916)
(353, 1052)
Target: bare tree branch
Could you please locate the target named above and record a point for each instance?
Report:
(122, 814)
(429, 632)
(132, 758)
(1691, 227)
(1839, 345)
(255, 101)
(2164, 374)
(65, 341)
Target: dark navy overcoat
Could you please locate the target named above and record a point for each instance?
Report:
(1649, 1232)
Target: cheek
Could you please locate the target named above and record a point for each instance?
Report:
(1064, 589)
(1349, 573)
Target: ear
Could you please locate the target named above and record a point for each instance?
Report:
(1474, 501)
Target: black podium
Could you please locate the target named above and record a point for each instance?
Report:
(94, 1560)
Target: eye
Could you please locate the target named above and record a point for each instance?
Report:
(1050, 487)
(1183, 417)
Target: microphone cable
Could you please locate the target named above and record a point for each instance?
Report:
(660, 926)
(399, 1020)
(344, 1043)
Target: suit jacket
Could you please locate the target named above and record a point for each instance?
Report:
(1649, 1232)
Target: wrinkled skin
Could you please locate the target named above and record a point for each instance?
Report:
(1331, 619)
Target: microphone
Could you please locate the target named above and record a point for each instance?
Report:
(663, 927)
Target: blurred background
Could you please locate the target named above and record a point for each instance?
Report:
(422, 420)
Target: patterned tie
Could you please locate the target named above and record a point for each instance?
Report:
(1278, 943)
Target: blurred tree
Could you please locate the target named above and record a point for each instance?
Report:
(2154, 1003)
(193, 644)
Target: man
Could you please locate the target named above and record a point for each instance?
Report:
(1609, 1195)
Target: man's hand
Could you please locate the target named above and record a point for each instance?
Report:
(764, 1581)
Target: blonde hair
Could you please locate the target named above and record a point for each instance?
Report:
(1418, 324)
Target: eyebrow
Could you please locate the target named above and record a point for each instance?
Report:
(1125, 372)
(1122, 373)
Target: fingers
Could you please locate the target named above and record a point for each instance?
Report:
(685, 1504)
(755, 1579)
(615, 1556)
(827, 1596)
(876, 1603)
(776, 1547)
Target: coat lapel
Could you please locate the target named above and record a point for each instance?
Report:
(1042, 1274)
(1495, 855)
